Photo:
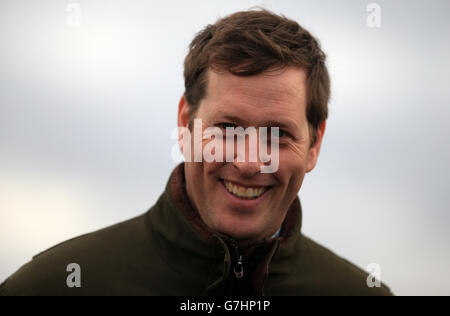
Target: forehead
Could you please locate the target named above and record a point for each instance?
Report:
(274, 94)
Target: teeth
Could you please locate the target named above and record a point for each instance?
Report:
(244, 192)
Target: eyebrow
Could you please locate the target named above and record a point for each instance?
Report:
(269, 123)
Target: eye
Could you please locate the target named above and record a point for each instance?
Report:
(227, 125)
(282, 133)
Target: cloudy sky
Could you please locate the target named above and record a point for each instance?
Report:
(87, 107)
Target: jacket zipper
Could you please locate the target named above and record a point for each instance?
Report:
(239, 265)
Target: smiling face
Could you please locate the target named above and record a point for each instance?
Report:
(218, 189)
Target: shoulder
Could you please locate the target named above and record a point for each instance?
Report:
(335, 275)
(99, 255)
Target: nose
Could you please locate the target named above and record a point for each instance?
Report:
(248, 163)
(247, 169)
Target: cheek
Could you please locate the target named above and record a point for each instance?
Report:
(210, 168)
(297, 151)
(210, 176)
(293, 158)
(292, 167)
(194, 173)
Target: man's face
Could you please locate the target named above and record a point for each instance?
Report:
(272, 99)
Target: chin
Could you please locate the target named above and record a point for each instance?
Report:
(240, 232)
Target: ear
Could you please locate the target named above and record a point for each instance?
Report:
(313, 152)
(183, 112)
(183, 122)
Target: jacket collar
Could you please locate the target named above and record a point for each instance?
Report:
(184, 237)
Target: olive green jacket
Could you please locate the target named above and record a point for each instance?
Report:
(170, 251)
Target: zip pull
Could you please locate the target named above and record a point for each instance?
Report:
(238, 267)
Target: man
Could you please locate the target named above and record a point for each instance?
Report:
(228, 225)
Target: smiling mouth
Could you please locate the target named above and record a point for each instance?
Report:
(244, 192)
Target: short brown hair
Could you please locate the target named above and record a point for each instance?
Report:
(250, 42)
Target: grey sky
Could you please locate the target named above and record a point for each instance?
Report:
(86, 116)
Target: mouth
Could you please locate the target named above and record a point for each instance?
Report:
(244, 192)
